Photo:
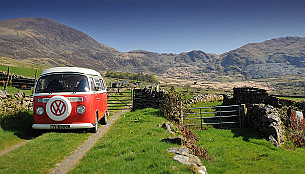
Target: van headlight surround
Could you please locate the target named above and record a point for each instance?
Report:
(81, 109)
(39, 110)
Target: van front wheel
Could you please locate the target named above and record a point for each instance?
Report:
(104, 119)
(95, 128)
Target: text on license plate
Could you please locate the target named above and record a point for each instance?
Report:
(59, 126)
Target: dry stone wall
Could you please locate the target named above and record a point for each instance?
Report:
(250, 96)
(147, 98)
(265, 113)
(267, 120)
(14, 102)
(204, 98)
(17, 81)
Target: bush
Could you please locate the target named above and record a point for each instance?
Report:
(172, 106)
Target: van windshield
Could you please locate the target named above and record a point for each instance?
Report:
(62, 83)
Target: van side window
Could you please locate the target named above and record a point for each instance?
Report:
(97, 84)
(103, 84)
(91, 83)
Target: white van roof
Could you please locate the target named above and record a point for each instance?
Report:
(71, 70)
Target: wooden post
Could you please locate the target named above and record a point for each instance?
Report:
(8, 78)
(243, 115)
(35, 76)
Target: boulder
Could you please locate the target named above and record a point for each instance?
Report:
(179, 150)
(182, 159)
(3, 94)
(19, 95)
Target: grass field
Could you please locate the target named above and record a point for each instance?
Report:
(13, 90)
(243, 151)
(291, 98)
(41, 153)
(27, 72)
(133, 146)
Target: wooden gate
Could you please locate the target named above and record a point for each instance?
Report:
(119, 98)
(218, 116)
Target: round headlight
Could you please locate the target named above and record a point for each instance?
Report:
(39, 110)
(81, 109)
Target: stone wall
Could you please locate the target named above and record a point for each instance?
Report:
(147, 98)
(250, 96)
(267, 120)
(265, 113)
(14, 102)
(17, 81)
(204, 98)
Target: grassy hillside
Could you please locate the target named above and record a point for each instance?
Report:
(27, 72)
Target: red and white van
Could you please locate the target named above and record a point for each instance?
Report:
(70, 98)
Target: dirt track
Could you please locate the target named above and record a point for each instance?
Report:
(70, 162)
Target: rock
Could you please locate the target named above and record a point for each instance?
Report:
(199, 170)
(174, 140)
(182, 159)
(3, 94)
(195, 160)
(202, 170)
(19, 95)
(273, 141)
(179, 150)
(168, 127)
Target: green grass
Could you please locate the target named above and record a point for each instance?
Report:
(291, 98)
(133, 146)
(8, 139)
(243, 151)
(15, 128)
(27, 72)
(39, 155)
(42, 153)
(13, 90)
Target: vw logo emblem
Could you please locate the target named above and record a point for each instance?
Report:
(58, 107)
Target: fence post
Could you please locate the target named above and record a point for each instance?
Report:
(239, 116)
(8, 78)
(35, 76)
(220, 117)
(132, 97)
(200, 119)
(243, 115)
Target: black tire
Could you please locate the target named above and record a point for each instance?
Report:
(104, 119)
(95, 128)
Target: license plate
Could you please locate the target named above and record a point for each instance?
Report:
(59, 126)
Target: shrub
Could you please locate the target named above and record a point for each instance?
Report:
(172, 106)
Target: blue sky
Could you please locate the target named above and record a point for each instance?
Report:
(170, 26)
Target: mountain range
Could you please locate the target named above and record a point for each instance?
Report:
(46, 42)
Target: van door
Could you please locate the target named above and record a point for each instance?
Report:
(98, 93)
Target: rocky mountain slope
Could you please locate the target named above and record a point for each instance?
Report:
(276, 57)
(47, 42)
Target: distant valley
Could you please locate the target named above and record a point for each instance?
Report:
(48, 43)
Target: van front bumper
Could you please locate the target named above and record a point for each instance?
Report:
(63, 126)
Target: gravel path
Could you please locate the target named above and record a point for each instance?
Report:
(70, 162)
